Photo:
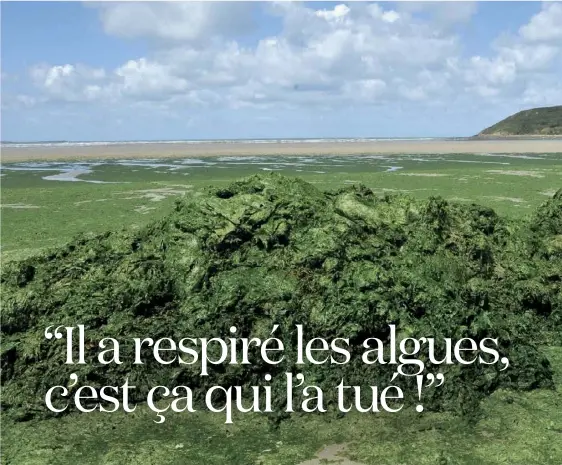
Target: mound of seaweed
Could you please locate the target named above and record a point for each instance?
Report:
(274, 250)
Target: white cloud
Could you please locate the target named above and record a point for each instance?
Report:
(546, 25)
(495, 71)
(337, 14)
(146, 79)
(357, 54)
(66, 82)
(390, 16)
(176, 21)
(520, 62)
(530, 57)
(365, 91)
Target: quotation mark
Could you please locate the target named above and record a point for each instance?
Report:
(57, 334)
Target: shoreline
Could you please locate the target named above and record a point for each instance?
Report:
(327, 148)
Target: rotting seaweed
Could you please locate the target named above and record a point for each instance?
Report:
(274, 250)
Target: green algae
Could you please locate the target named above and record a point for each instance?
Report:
(273, 250)
(517, 428)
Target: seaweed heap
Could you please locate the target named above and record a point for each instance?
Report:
(274, 250)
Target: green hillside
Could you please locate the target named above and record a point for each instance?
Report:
(535, 122)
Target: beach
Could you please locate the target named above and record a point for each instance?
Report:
(101, 151)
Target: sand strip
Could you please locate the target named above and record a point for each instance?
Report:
(200, 150)
(331, 455)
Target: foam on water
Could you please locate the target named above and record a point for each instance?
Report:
(481, 162)
(512, 155)
(194, 161)
(214, 141)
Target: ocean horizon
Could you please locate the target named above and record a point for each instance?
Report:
(219, 141)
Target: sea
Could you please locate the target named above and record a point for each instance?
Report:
(216, 141)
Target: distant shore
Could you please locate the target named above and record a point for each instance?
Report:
(245, 148)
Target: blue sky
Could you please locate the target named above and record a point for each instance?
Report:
(113, 71)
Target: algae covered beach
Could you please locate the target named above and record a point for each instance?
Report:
(271, 249)
(281, 233)
(438, 245)
(442, 245)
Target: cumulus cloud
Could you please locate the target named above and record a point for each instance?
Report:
(546, 25)
(67, 82)
(146, 79)
(344, 55)
(520, 62)
(530, 57)
(176, 21)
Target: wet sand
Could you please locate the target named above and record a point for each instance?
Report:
(201, 150)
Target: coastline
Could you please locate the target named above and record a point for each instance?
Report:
(10, 154)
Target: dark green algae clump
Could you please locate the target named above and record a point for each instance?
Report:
(274, 250)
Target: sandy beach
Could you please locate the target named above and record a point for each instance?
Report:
(197, 150)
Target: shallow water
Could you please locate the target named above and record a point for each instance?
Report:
(97, 172)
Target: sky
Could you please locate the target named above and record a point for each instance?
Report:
(211, 70)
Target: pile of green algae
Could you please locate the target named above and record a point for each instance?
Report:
(274, 250)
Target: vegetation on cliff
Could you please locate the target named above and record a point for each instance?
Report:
(545, 121)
